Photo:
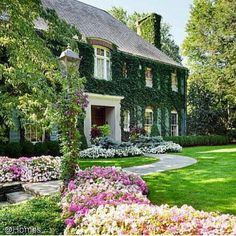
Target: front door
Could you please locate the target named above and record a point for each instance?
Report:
(98, 115)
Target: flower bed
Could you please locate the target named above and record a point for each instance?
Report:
(112, 201)
(99, 152)
(34, 169)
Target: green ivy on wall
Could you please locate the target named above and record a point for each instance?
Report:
(136, 95)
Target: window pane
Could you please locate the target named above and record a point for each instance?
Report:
(100, 68)
(100, 52)
(108, 70)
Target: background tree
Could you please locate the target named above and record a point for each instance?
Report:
(168, 44)
(211, 50)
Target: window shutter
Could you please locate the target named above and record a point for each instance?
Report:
(167, 122)
(54, 134)
(159, 120)
(14, 135)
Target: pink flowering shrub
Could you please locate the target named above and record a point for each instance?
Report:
(34, 169)
(113, 202)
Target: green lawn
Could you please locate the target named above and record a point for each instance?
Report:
(209, 185)
(118, 162)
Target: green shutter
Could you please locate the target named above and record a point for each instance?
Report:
(14, 134)
(167, 122)
(159, 120)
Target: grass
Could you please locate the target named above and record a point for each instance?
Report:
(40, 215)
(209, 185)
(118, 162)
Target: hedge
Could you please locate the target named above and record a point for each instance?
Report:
(189, 141)
(27, 149)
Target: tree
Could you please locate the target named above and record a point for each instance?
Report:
(207, 114)
(210, 48)
(169, 46)
(31, 82)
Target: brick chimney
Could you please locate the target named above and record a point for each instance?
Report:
(149, 28)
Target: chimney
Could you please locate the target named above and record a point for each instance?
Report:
(149, 28)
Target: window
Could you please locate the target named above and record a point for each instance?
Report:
(174, 123)
(148, 120)
(34, 133)
(126, 121)
(148, 77)
(174, 82)
(102, 68)
(125, 71)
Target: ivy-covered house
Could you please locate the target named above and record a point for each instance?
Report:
(130, 82)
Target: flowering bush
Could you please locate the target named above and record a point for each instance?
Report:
(34, 169)
(99, 152)
(163, 147)
(113, 202)
(139, 219)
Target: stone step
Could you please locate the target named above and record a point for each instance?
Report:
(18, 197)
(42, 188)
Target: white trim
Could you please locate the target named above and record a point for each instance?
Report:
(105, 59)
(101, 96)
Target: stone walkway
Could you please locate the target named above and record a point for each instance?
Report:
(167, 162)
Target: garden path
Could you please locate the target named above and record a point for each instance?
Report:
(167, 162)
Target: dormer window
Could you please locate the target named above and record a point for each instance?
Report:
(148, 77)
(102, 63)
(174, 82)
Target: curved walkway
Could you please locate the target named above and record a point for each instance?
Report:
(167, 162)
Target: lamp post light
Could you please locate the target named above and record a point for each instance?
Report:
(71, 62)
(68, 58)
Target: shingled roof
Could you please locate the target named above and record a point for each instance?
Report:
(93, 22)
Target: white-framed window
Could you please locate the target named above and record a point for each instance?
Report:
(148, 77)
(174, 123)
(148, 120)
(126, 121)
(102, 63)
(34, 133)
(174, 82)
(125, 70)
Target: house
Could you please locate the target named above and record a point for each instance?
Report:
(130, 82)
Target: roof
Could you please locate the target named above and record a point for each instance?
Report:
(93, 22)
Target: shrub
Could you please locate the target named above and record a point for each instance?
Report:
(136, 133)
(2, 149)
(27, 149)
(13, 150)
(53, 148)
(106, 130)
(40, 149)
(188, 141)
(95, 132)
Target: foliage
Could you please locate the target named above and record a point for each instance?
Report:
(13, 150)
(34, 169)
(100, 132)
(136, 132)
(207, 113)
(168, 45)
(38, 216)
(188, 141)
(210, 48)
(212, 177)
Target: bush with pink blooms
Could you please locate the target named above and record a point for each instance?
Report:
(112, 201)
(34, 169)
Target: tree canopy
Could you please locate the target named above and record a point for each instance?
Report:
(211, 50)
(168, 44)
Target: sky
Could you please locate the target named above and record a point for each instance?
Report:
(174, 12)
